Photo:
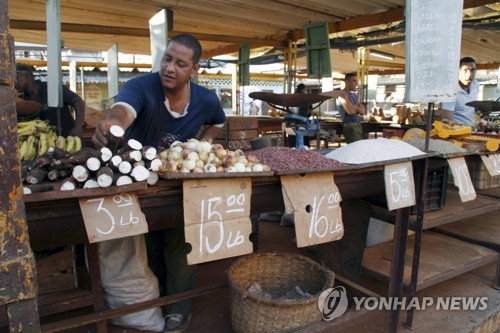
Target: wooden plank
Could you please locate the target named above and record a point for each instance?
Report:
(84, 192)
(455, 210)
(441, 258)
(52, 264)
(215, 175)
(483, 230)
(242, 123)
(54, 283)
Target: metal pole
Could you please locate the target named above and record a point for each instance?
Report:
(419, 225)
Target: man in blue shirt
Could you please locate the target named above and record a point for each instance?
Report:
(468, 90)
(350, 108)
(157, 109)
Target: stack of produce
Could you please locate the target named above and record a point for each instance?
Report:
(36, 136)
(284, 158)
(195, 156)
(462, 136)
(440, 146)
(374, 150)
(90, 168)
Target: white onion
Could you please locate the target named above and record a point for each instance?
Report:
(257, 168)
(204, 147)
(240, 167)
(189, 164)
(210, 168)
(193, 156)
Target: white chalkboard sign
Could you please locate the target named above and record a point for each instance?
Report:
(492, 164)
(112, 216)
(433, 35)
(462, 179)
(217, 218)
(314, 200)
(399, 185)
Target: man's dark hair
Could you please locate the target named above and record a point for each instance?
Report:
(24, 67)
(466, 60)
(190, 42)
(300, 88)
(349, 75)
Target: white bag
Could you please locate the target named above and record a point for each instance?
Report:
(127, 279)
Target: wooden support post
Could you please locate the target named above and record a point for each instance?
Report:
(18, 288)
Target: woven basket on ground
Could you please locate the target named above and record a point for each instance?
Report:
(276, 274)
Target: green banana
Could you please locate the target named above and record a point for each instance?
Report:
(61, 143)
(42, 144)
(70, 144)
(78, 144)
(32, 148)
(23, 150)
(51, 139)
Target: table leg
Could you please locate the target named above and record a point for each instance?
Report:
(398, 266)
(95, 278)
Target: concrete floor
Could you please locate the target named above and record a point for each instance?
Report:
(212, 312)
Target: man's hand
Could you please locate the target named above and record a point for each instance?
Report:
(99, 139)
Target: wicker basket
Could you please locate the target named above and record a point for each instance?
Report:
(276, 273)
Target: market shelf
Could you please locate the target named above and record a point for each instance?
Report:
(58, 302)
(454, 209)
(482, 230)
(442, 257)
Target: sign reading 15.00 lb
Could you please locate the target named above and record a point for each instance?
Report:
(112, 216)
(216, 218)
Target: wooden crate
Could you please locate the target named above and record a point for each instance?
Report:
(55, 272)
(238, 132)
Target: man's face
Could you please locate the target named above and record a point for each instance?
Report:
(23, 79)
(351, 83)
(467, 73)
(177, 66)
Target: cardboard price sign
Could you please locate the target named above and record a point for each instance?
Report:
(492, 164)
(399, 185)
(217, 218)
(462, 179)
(112, 216)
(315, 202)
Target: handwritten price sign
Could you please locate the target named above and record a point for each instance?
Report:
(399, 185)
(216, 218)
(492, 164)
(462, 179)
(315, 200)
(113, 216)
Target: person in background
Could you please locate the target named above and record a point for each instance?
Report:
(32, 98)
(302, 111)
(350, 108)
(468, 90)
(157, 109)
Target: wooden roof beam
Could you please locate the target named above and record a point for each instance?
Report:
(389, 16)
(109, 30)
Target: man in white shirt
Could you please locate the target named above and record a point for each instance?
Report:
(467, 92)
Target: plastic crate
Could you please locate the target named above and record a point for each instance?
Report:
(479, 174)
(436, 183)
(389, 133)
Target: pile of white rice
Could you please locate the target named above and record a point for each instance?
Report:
(374, 150)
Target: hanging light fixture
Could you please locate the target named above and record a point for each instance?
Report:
(382, 55)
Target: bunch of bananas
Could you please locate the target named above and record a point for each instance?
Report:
(36, 136)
